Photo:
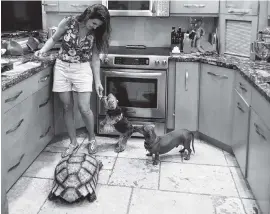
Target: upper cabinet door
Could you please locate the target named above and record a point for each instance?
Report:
(239, 7)
(50, 6)
(75, 6)
(237, 33)
(194, 7)
(269, 14)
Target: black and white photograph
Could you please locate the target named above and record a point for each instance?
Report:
(135, 107)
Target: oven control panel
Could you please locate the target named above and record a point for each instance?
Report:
(131, 61)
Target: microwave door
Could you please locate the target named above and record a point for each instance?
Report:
(129, 8)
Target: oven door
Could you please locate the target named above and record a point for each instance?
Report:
(141, 93)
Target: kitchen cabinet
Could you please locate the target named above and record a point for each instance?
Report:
(75, 6)
(236, 34)
(194, 7)
(50, 6)
(186, 95)
(59, 123)
(243, 87)
(28, 125)
(240, 130)
(268, 14)
(247, 7)
(215, 103)
(258, 173)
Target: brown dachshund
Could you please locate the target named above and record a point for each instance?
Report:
(160, 145)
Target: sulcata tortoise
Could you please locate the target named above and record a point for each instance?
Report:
(76, 177)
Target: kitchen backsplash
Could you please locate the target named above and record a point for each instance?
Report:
(149, 31)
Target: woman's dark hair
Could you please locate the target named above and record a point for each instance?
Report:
(103, 32)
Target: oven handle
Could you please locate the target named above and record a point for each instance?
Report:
(135, 73)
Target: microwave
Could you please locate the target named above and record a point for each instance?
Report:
(157, 8)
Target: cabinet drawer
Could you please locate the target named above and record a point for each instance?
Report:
(240, 131)
(239, 7)
(18, 121)
(205, 7)
(261, 106)
(19, 92)
(44, 108)
(243, 87)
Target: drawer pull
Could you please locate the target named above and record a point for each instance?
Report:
(13, 98)
(186, 81)
(194, 5)
(17, 164)
(240, 108)
(45, 4)
(242, 87)
(258, 131)
(43, 135)
(217, 75)
(43, 79)
(15, 128)
(79, 5)
(45, 103)
(238, 11)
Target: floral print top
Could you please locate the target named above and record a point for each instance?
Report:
(73, 49)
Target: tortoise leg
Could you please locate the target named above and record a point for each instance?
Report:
(92, 197)
(51, 196)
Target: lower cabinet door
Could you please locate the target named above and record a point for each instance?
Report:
(258, 161)
(240, 131)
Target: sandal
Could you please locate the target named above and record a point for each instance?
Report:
(92, 146)
(71, 148)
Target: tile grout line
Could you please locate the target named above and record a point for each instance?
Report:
(113, 168)
(180, 192)
(129, 201)
(237, 191)
(28, 176)
(197, 164)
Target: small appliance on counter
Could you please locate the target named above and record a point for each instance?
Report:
(260, 49)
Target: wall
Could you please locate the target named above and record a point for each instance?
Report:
(149, 31)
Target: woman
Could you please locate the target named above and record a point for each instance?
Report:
(84, 37)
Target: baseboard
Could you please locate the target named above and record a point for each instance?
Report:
(216, 143)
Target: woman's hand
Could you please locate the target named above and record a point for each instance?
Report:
(99, 90)
(40, 54)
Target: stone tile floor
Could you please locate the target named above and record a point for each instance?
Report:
(209, 183)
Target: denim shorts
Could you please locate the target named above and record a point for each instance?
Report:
(72, 77)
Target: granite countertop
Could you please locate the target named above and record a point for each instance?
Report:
(247, 68)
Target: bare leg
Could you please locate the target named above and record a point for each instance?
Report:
(67, 100)
(87, 115)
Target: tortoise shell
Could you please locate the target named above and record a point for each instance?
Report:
(76, 177)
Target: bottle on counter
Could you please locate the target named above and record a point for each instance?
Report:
(173, 36)
(187, 43)
(180, 39)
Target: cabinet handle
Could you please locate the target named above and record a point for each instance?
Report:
(79, 5)
(242, 87)
(17, 164)
(238, 11)
(173, 114)
(43, 79)
(217, 75)
(186, 81)
(45, 103)
(15, 128)
(240, 108)
(46, 4)
(194, 5)
(13, 98)
(258, 131)
(43, 135)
